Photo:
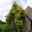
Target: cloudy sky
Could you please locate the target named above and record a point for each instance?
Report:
(5, 6)
(24, 3)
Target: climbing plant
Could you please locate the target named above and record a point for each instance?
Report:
(16, 16)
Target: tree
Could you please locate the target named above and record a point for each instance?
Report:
(16, 16)
(3, 26)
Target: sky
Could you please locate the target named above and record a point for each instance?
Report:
(5, 6)
(24, 3)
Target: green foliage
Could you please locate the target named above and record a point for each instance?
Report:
(15, 20)
(19, 16)
(3, 26)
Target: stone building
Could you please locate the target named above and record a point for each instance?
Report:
(28, 12)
